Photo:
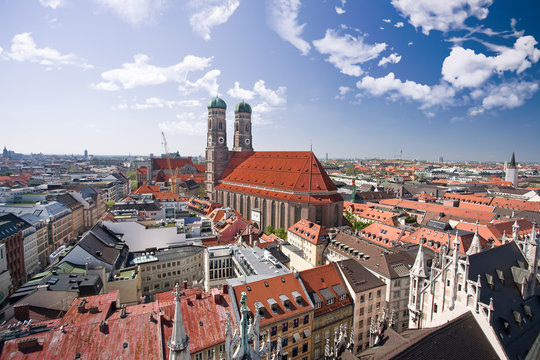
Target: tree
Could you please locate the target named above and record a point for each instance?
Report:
(133, 177)
(202, 192)
(279, 232)
(109, 204)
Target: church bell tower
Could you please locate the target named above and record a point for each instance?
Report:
(217, 153)
(242, 127)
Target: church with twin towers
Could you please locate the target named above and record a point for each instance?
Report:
(275, 188)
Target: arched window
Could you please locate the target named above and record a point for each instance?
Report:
(297, 213)
(282, 216)
(210, 124)
(228, 199)
(220, 125)
(256, 203)
(263, 214)
(242, 205)
(236, 127)
(247, 127)
(273, 214)
(248, 208)
(318, 214)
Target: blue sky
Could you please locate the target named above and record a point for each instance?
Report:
(457, 79)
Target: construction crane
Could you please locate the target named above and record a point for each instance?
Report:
(173, 173)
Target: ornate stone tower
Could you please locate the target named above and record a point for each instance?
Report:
(242, 127)
(217, 153)
(512, 171)
(418, 274)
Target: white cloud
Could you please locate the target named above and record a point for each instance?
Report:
(456, 119)
(393, 58)
(346, 52)
(465, 68)
(410, 43)
(189, 124)
(409, 90)
(340, 10)
(506, 96)
(157, 103)
(210, 14)
(387, 21)
(23, 48)
(441, 15)
(283, 16)
(398, 24)
(272, 97)
(343, 90)
(135, 12)
(53, 4)
(239, 93)
(206, 83)
(140, 73)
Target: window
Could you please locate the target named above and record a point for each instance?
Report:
(317, 305)
(370, 297)
(146, 289)
(330, 301)
(396, 294)
(295, 351)
(306, 319)
(317, 337)
(362, 298)
(198, 356)
(361, 311)
(285, 326)
(435, 308)
(210, 353)
(360, 336)
(317, 353)
(304, 347)
(342, 297)
(273, 345)
(397, 283)
(378, 305)
(284, 341)
(273, 330)
(295, 323)
(378, 293)
(370, 308)
(360, 325)
(327, 334)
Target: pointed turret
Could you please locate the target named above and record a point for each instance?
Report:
(515, 231)
(419, 267)
(476, 246)
(179, 340)
(513, 161)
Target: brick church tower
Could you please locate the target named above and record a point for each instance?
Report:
(242, 128)
(217, 153)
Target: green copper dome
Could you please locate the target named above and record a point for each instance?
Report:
(217, 103)
(243, 107)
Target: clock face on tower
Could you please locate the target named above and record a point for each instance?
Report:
(247, 141)
(209, 140)
(221, 140)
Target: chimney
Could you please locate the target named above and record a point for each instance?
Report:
(80, 306)
(94, 309)
(27, 345)
(185, 285)
(102, 326)
(225, 288)
(22, 312)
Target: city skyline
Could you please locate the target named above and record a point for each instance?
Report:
(355, 80)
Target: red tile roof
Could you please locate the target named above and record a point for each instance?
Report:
(161, 163)
(147, 189)
(496, 231)
(367, 212)
(205, 318)
(307, 230)
(263, 290)
(279, 170)
(200, 167)
(314, 199)
(384, 234)
(325, 277)
(435, 238)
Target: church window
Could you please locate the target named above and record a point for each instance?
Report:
(273, 214)
(282, 215)
(236, 127)
(318, 214)
(241, 205)
(220, 125)
(247, 127)
(297, 213)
